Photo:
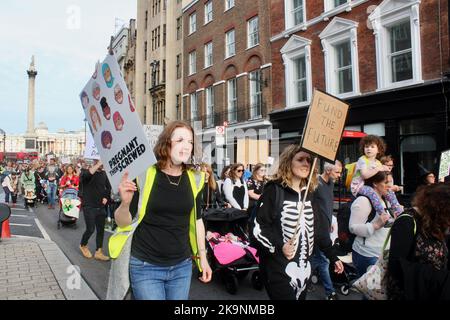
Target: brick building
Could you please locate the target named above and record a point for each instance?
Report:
(226, 65)
(388, 59)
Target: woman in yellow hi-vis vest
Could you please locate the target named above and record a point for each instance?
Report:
(159, 223)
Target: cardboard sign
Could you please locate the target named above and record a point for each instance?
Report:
(324, 125)
(91, 151)
(152, 133)
(444, 165)
(114, 123)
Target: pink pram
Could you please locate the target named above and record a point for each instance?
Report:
(229, 250)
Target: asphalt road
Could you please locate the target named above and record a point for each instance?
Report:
(42, 222)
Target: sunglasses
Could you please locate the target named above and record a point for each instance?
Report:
(240, 170)
(308, 159)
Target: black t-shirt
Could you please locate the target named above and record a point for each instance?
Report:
(257, 187)
(162, 237)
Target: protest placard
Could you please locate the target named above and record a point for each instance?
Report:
(152, 133)
(322, 134)
(324, 125)
(91, 151)
(114, 123)
(444, 164)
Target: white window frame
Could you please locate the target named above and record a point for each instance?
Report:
(208, 14)
(254, 95)
(232, 100)
(289, 14)
(193, 23)
(252, 34)
(209, 99)
(296, 47)
(329, 5)
(390, 13)
(229, 4)
(209, 54)
(193, 102)
(192, 63)
(340, 30)
(228, 45)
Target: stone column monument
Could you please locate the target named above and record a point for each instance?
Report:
(30, 136)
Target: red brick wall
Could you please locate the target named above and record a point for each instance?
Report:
(243, 61)
(366, 44)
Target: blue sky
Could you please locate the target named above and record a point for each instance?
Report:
(67, 37)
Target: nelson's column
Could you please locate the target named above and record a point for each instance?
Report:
(30, 136)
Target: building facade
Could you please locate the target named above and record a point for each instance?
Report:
(158, 61)
(124, 46)
(61, 143)
(227, 66)
(388, 59)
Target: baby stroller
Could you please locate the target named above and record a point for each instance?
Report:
(43, 193)
(343, 281)
(29, 196)
(69, 208)
(228, 249)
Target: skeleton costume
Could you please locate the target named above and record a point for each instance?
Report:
(274, 225)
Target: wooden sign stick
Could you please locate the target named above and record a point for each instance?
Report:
(303, 201)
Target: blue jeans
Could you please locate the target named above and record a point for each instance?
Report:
(150, 282)
(51, 193)
(362, 263)
(320, 261)
(7, 193)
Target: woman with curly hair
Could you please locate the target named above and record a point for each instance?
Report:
(418, 258)
(286, 247)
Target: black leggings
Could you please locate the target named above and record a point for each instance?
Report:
(95, 219)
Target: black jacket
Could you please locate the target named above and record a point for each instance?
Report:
(95, 187)
(275, 220)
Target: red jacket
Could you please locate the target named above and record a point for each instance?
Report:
(67, 182)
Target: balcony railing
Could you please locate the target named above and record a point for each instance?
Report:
(240, 114)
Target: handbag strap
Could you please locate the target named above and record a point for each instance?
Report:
(389, 234)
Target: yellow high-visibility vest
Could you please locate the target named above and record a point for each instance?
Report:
(119, 238)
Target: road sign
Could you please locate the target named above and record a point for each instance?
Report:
(220, 135)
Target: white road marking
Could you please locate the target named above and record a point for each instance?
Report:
(41, 228)
(19, 215)
(20, 209)
(18, 236)
(20, 225)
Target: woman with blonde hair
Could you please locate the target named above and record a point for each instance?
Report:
(211, 196)
(160, 229)
(286, 246)
(255, 185)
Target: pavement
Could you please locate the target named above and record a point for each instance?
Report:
(41, 262)
(36, 269)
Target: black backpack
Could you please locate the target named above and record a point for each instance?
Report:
(345, 237)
